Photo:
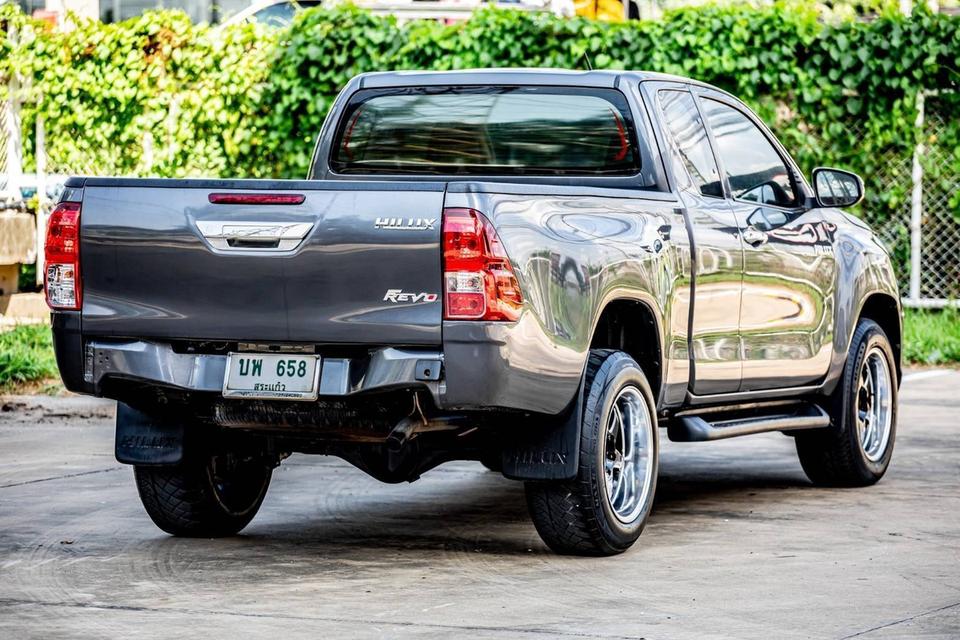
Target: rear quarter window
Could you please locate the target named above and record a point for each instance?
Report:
(526, 131)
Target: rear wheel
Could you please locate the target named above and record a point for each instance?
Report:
(204, 496)
(604, 509)
(857, 450)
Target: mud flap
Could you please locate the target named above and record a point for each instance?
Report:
(549, 450)
(143, 439)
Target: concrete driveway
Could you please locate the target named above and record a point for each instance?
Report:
(740, 545)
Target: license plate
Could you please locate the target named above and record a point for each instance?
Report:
(275, 375)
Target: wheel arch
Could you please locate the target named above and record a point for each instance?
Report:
(551, 450)
(884, 309)
(631, 325)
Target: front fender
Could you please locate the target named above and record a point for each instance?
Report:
(864, 269)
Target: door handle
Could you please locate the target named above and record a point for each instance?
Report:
(754, 236)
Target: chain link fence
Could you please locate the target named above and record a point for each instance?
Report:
(918, 214)
(913, 199)
(937, 267)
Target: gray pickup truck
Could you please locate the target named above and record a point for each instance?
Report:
(534, 269)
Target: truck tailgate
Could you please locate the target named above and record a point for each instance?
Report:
(366, 272)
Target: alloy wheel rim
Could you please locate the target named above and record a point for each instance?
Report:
(874, 405)
(236, 489)
(628, 455)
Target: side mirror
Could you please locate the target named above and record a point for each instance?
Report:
(836, 187)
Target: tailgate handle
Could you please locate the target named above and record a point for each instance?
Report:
(254, 236)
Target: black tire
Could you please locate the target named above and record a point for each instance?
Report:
(204, 496)
(837, 456)
(576, 516)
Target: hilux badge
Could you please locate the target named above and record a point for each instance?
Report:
(405, 224)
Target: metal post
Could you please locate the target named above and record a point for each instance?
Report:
(12, 126)
(41, 157)
(916, 205)
(14, 150)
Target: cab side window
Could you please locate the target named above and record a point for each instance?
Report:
(754, 169)
(683, 120)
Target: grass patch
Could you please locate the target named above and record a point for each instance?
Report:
(931, 337)
(26, 355)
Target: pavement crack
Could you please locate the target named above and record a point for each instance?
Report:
(901, 621)
(66, 475)
(514, 630)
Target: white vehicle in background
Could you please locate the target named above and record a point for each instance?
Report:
(276, 13)
(8, 196)
(455, 10)
(18, 197)
(280, 13)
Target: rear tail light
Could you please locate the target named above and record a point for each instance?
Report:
(479, 282)
(61, 280)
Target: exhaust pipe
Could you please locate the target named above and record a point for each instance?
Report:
(417, 423)
(400, 434)
(412, 426)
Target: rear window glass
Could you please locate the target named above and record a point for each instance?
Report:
(538, 131)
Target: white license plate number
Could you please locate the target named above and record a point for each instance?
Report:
(274, 376)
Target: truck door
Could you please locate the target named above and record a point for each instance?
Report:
(718, 254)
(787, 307)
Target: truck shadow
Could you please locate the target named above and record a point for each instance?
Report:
(481, 512)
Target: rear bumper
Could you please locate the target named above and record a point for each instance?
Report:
(157, 363)
(68, 347)
(481, 366)
(509, 365)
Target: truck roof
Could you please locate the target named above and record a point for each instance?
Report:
(562, 77)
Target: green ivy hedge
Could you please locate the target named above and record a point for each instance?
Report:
(154, 95)
(157, 95)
